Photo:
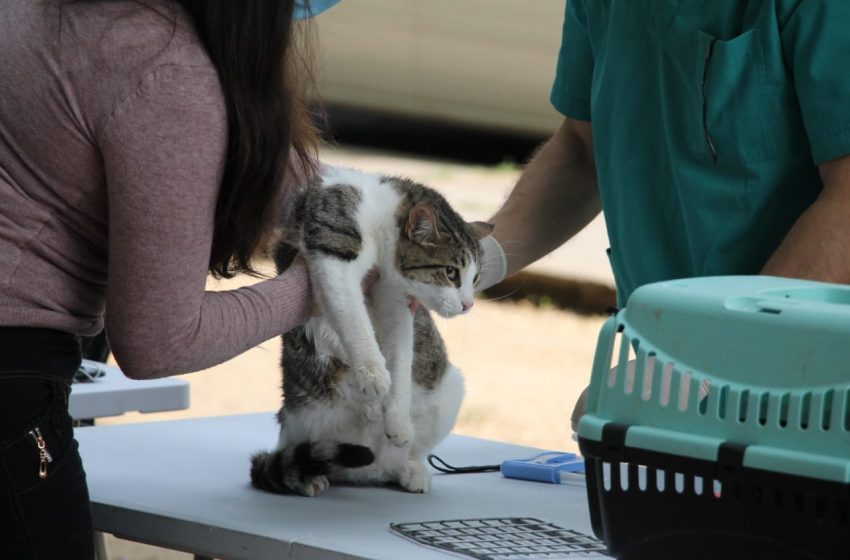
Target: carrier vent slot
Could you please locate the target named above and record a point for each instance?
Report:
(703, 405)
(717, 489)
(805, 410)
(631, 372)
(698, 485)
(666, 382)
(679, 482)
(846, 411)
(641, 477)
(721, 402)
(606, 476)
(702, 396)
(764, 402)
(826, 410)
(616, 352)
(649, 375)
(625, 365)
(684, 390)
(783, 409)
(743, 399)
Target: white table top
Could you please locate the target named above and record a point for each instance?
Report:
(114, 394)
(185, 485)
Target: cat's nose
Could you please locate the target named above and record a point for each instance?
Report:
(467, 305)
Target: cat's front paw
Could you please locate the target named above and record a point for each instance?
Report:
(373, 381)
(415, 478)
(398, 427)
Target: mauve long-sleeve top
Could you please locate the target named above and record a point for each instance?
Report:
(112, 140)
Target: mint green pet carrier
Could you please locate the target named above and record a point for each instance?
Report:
(718, 422)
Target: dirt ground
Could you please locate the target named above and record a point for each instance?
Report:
(524, 365)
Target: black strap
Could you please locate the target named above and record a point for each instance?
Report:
(446, 468)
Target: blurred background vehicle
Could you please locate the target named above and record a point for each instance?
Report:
(462, 81)
(486, 65)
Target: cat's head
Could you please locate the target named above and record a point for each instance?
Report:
(438, 252)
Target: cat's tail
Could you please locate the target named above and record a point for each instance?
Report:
(289, 469)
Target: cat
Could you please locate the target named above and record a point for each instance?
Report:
(367, 387)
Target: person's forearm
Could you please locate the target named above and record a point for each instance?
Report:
(556, 196)
(818, 246)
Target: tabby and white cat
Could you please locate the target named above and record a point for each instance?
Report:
(368, 390)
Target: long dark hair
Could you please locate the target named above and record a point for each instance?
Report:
(265, 72)
(252, 46)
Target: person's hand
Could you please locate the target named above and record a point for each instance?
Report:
(373, 275)
(413, 304)
(579, 410)
(370, 279)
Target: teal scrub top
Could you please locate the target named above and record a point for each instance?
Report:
(709, 121)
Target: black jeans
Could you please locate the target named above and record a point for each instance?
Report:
(44, 500)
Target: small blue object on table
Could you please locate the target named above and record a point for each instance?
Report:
(550, 466)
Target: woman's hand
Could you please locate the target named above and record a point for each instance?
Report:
(372, 277)
(366, 285)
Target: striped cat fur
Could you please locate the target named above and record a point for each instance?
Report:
(368, 390)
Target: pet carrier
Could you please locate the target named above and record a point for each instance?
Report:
(718, 422)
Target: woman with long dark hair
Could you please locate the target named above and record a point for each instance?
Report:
(143, 145)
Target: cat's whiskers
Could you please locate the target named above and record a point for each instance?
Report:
(503, 296)
(446, 308)
(494, 259)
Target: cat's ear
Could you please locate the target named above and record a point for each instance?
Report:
(422, 225)
(481, 229)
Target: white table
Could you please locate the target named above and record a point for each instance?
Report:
(184, 485)
(114, 394)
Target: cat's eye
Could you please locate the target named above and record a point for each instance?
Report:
(476, 279)
(452, 273)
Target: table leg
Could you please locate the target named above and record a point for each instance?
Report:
(100, 551)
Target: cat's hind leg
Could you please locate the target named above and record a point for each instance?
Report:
(434, 416)
(436, 413)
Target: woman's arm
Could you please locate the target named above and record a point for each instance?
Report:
(163, 149)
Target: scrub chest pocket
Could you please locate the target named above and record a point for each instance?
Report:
(730, 121)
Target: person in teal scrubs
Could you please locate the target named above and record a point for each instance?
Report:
(714, 136)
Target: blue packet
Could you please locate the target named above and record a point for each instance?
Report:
(551, 466)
